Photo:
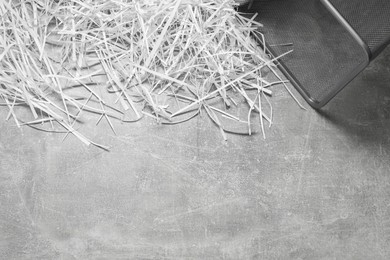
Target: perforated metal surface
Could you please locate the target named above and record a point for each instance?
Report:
(325, 56)
(369, 18)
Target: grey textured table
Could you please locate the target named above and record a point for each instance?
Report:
(317, 188)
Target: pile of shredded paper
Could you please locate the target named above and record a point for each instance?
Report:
(126, 59)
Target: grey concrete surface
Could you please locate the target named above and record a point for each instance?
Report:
(318, 187)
